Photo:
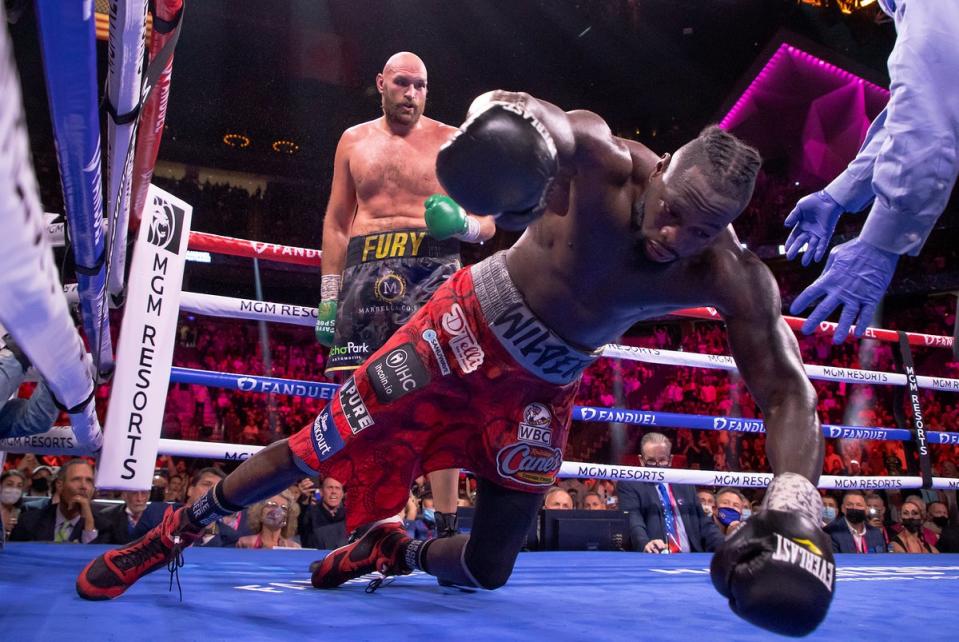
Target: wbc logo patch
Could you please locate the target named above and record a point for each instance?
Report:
(534, 429)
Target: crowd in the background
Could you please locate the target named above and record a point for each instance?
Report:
(311, 513)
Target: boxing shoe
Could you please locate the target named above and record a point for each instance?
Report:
(380, 549)
(109, 575)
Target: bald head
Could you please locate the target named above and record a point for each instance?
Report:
(402, 86)
(405, 62)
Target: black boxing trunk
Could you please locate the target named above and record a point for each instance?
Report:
(388, 277)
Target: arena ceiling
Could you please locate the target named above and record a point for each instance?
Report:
(303, 70)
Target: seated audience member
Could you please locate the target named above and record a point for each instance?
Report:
(217, 534)
(134, 503)
(557, 499)
(273, 523)
(876, 515)
(11, 498)
(830, 509)
(916, 499)
(324, 523)
(74, 518)
(729, 510)
(849, 532)
(707, 500)
(175, 491)
(665, 517)
(937, 518)
(949, 540)
(910, 539)
(592, 501)
(41, 482)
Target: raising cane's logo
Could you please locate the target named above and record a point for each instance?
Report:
(528, 464)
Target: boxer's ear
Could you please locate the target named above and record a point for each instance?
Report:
(663, 164)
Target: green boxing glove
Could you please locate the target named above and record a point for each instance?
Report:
(446, 219)
(325, 322)
(326, 310)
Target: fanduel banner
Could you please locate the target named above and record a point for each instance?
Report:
(145, 352)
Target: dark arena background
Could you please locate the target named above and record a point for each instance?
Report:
(216, 124)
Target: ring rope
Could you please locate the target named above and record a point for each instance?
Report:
(204, 242)
(595, 414)
(252, 310)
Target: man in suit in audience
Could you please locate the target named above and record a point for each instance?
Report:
(665, 517)
(74, 518)
(217, 534)
(850, 532)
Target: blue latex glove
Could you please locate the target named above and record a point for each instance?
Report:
(856, 277)
(813, 221)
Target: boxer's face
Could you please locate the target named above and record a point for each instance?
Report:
(682, 213)
(403, 90)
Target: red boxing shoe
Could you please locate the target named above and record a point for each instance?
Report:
(109, 575)
(380, 549)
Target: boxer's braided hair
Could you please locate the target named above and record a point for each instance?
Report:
(730, 164)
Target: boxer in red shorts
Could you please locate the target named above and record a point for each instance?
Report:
(413, 406)
(483, 376)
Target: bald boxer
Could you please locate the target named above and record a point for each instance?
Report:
(383, 254)
(485, 374)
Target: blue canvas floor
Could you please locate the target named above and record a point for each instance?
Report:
(265, 595)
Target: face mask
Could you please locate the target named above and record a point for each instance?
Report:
(912, 524)
(708, 510)
(429, 514)
(941, 522)
(274, 517)
(728, 515)
(828, 513)
(39, 486)
(10, 495)
(855, 515)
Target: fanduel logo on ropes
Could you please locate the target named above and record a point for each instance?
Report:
(145, 350)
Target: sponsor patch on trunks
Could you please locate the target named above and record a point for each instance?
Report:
(399, 372)
(432, 338)
(355, 411)
(535, 429)
(529, 464)
(469, 355)
(326, 438)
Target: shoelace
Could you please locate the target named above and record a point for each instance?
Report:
(174, 564)
(377, 582)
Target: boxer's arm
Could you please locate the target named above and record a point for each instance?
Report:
(769, 361)
(487, 226)
(339, 210)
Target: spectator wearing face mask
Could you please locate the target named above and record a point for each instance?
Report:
(830, 509)
(273, 523)
(707, 501)
(910, 539)
(11, 498)
(937, 518)
(41, 481)
(850, 533)
(731, 505)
